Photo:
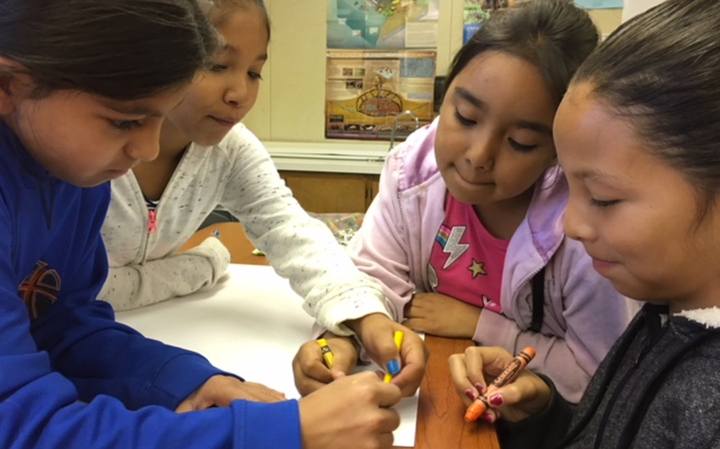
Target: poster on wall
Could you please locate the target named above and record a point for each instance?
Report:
(475, 12)
(599, 4)
(366, 90)
(382, 24)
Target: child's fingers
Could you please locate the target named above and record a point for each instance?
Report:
(458, 373)
(344, 356)
(529, 394)
(386, 395)
(484, 363)
(381, 347)
(256, 392)
(311, 376)
(307, 385)
(337, 374)
(309, 369)
(413, 357)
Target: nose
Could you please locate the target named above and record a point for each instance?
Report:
(145, 144)
(236, 95)
(576, 225)
(481, 152)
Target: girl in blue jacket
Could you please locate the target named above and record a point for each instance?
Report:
(84, 87)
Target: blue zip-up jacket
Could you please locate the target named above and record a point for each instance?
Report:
(72, 377)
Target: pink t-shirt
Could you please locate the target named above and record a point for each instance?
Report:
(467, 262)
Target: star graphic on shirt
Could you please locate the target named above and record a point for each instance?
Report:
(477, 268)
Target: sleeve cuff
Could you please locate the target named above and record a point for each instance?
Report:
(334, 312)
(544, 429)
(493, 329)
(179, 378)
(268, 425)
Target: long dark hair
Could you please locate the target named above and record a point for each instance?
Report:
(660, 70)
(553, 35)
(119, 49)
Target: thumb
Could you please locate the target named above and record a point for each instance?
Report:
(344, 359)
(338, 374)
(384, 351)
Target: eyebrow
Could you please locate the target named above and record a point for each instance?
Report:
(523, 124)
(227, 48)
(534, 126)
(598, 176)
(470, 98)
(133, 109)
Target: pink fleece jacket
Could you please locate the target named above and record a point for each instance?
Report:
(583, 314)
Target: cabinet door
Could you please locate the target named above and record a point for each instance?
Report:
(328, 192)
(373, 186)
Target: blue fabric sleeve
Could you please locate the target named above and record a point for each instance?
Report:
(101, 356)
(76, 338)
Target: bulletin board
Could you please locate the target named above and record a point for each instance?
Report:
(382, 24)
(600, 4)
(366, 90)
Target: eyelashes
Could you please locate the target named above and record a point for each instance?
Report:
(603, 204)
(219, 68)
(517, 146)
(125, 125)
(520, 147)
(464, 121)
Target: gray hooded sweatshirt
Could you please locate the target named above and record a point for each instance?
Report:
(659, 387)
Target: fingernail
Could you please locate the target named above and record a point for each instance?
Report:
(496, 400)
(392, 367)
(470, 394)
(479, 388)
(487, 417)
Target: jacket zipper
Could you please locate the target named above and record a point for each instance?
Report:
(152, 222)
(151, 226)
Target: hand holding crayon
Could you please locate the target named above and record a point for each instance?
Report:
(395, 368)
(509, 374)
(326, 353)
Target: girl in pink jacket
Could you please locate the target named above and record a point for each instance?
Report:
(466, 234)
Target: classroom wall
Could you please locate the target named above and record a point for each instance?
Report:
(291, 102)
(631, 8)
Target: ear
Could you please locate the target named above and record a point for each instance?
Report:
(14, 84)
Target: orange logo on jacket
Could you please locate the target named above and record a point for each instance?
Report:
(39, 289)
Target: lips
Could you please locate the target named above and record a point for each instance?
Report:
(479, 182)
(227, 122)
(472, 180)
(602, 266)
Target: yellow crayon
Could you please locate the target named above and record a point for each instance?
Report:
(398, 338)
(326, 352)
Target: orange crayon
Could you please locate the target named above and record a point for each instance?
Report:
(509, 374)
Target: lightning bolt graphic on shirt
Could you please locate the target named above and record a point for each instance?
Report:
(453, 247)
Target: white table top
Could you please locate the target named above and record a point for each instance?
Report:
(251, 324)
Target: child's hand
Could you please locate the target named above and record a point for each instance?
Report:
(441, 315)
(376, 332)
(220, 391)
(309, 367)
(473, 371)
(350, 412)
